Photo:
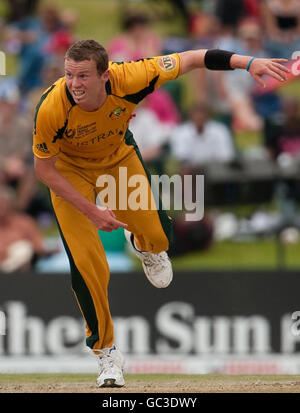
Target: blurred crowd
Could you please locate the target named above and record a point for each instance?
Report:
(175, 134)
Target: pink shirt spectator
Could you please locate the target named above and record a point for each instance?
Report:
(161, 103)
(123, 48)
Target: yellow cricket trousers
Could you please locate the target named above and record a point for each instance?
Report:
(152, 230)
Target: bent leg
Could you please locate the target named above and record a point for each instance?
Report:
(151, 226)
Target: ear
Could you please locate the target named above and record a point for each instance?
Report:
(106, 75)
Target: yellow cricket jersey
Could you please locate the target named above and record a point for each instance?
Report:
(61, 126)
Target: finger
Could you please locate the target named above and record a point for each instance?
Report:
(120, 224)
(281, 67)
(279, 60)
(105, 228)
(114, 224)
(275, 75)
(277, 70)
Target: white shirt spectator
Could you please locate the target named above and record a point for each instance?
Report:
(214, 143)
(147, 129)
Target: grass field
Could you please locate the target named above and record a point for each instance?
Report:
(256, 255)
(151, 383)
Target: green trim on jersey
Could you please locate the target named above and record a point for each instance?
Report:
(43, 97)
(134, 97)
(70, 97)
(137, 97)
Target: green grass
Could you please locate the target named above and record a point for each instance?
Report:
(45, 378)
(73, 378)
(97, 19)
(100, 19)
(258, 254)
(246, 140)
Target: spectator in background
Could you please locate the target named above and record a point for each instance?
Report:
(18, 9)
(136, 41)
(282, 133)
(16, 161)
(181, 7)
(60, 26)
(24, 38)
(164, 108)
(15, 145)
(52, 70)
(204, 29)
(35, 38)
(282, 139)
(282, 25)
(237, 88)
(200, 141)
(152, 135)
(229, 13)
(252, 8)
(15, 125)
(20, 238)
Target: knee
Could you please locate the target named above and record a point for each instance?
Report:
(155, 242)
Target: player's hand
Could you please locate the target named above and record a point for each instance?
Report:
(271, 67)
(105, 220)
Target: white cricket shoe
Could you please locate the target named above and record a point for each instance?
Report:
(157, 267)
(111, 365)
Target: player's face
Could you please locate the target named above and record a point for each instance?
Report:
(85, 84)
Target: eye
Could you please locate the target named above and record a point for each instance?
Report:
(68, 75)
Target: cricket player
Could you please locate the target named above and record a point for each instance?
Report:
(80, 134)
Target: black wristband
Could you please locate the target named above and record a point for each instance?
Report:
(216, 59)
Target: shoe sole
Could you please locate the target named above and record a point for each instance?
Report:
(111, 383)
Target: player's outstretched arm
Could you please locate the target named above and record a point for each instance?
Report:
(223, 60)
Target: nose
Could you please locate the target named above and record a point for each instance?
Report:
(76, 82)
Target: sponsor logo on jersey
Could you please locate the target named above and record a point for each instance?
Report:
(70, 133)
(99, 138)
(117, 113)
(42, 147)
(167, 63)
(81, 131)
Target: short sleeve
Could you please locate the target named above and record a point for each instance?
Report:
(141, 77)
(168, 67)
(49, 120)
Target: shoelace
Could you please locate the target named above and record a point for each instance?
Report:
(157, 260)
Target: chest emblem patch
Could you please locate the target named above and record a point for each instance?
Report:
(117, 113)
